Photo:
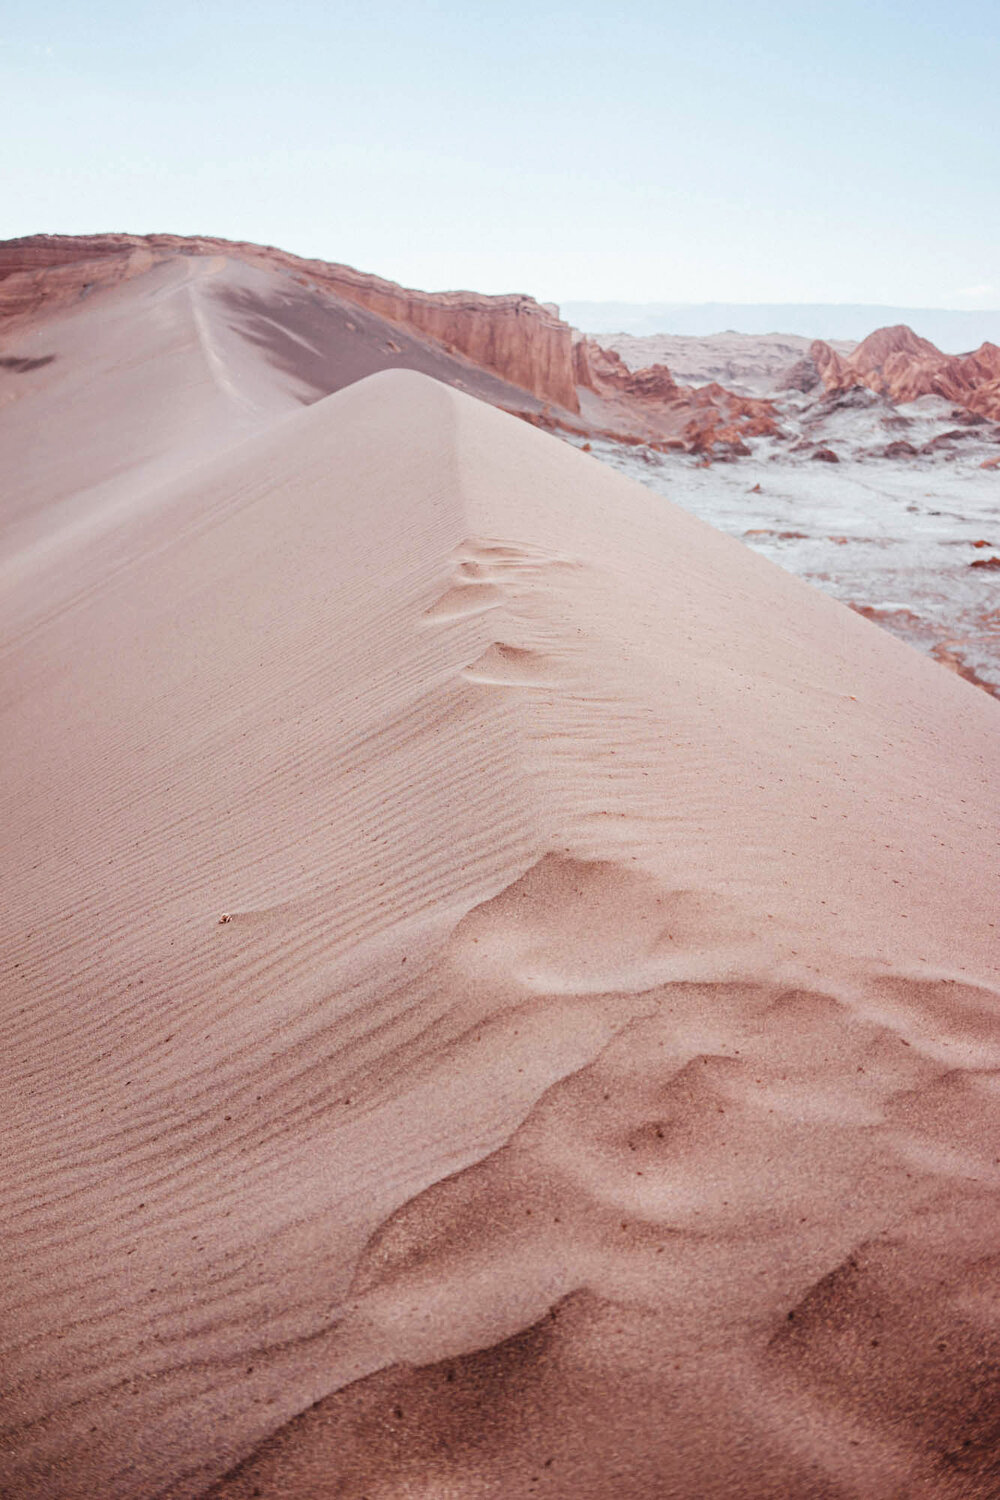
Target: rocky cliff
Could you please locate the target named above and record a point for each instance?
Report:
(897, 363)
(46, 272)
(606, 373)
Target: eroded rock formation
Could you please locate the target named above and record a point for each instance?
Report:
(897, 363)
(605, 372)
(699, 419)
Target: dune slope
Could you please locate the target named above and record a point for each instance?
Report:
(106, 402)
(501, 996)
(324, 325)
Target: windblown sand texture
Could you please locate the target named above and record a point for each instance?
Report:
(593, 1089)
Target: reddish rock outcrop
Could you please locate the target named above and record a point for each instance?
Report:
(899, 449)
(700, 419)
(606, 373)
(897, 363)
(47, 272)
(723, 419)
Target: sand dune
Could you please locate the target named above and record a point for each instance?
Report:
(107, 402)
(325, 325)
(594, 1086)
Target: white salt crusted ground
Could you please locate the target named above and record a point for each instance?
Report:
(596, 1088)
(914, 541)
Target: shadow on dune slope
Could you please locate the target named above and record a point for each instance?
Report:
(325, 344)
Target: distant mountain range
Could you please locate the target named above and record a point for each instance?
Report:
(953, 331)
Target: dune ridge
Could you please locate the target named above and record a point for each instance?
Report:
(592, 1087)
(508, 349)
(513, 336)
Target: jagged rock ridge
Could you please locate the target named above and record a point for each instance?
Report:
(897, 363)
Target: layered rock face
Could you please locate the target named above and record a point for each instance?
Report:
(897, 363)
(47, 272)
(605, 372)
(512, 336)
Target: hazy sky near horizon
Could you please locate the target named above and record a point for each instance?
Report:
(835, 152)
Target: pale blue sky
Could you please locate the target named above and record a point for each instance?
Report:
(717, 150)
